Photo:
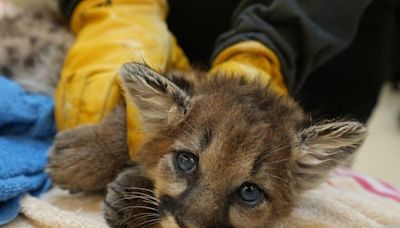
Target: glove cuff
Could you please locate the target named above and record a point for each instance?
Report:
(254, 61)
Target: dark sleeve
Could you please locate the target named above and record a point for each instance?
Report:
(304, 34)
(67, 7)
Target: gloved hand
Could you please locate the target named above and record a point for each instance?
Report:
(107, 36)
(253, 60)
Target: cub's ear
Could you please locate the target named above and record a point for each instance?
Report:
(324, 147)
(160, 102)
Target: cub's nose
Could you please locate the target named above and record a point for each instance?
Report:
(167, 205)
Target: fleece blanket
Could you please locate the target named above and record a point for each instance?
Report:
(26, 131)
(348, 199)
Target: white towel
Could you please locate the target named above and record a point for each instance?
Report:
(346, 200)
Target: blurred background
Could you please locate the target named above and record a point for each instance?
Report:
(377, 41)
(380, 155)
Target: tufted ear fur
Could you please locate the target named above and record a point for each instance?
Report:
(160, 101)
(324, 147)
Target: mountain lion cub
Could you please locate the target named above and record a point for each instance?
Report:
(220, 152)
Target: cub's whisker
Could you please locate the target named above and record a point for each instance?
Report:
(276, 162)
(148, 223)
(139, 194)
(144, 200)
(138, 207)
(138, 188)
(145, 218)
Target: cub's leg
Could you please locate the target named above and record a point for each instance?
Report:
(89, 157)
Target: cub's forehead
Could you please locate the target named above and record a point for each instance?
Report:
(233, 140)
(252, 106)
(234, 127)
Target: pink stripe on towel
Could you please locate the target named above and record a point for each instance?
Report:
(367, 186)
(371, 185)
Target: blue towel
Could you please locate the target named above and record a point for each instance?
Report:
(26, 132)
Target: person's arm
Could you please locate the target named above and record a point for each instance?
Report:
(302, 34)
(109, 34)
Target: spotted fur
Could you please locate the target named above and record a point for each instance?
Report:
(33, 44)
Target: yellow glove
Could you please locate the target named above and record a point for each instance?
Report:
(253, 60)
(107, 36)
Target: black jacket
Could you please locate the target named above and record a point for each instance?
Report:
(303, 33)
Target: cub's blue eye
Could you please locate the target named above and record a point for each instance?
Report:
(186, 161)
(250, 193)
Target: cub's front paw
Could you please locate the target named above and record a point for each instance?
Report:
(130, 201)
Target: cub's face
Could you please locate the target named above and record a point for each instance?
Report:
(224, 164)
(223, 152)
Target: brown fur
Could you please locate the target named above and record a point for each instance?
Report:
(89, 157)
(240, 131)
